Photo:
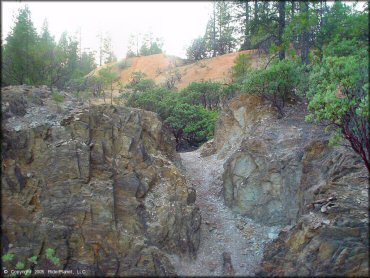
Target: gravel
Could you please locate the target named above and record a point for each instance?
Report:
(222, 230)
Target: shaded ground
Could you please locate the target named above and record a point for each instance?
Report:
(221, 230)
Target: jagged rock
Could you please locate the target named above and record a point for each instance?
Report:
(262, 176)
(283, 172)
(238, 118)
(105, 191)
(208, 148)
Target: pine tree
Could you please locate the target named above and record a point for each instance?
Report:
(281, 5)
(242, 15)
(46, 57)
(108, 51)
(19, 52)
(220, 36)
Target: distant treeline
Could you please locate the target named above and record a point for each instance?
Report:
(298, 26)
(36, 59)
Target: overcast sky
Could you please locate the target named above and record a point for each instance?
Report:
(176, 22)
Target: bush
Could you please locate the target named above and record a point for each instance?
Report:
(57, 97)
(192, 123)
(242, 66)
(205, 93)
(143, 85)
(123, 64)
(276, 83)
(338, 97)
(172, 77)
(229, 91)
(77, 84)
(136, 77)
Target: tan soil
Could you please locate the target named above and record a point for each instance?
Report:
(156, 67)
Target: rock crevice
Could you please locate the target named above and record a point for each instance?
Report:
(96, 180)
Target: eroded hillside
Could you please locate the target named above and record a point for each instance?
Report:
(159, 66)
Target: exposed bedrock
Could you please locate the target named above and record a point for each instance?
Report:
(99, 185)
(283, 172)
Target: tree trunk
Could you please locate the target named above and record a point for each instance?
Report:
(255, 16)
(294, 35)
(320, 38)
(246, 43)
(214, 31)
(305, 33)
(281, 29)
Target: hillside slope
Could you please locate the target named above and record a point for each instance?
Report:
(158, 67)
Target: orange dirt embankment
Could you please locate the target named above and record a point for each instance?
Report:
(158, 66)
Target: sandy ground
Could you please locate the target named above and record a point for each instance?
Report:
(221, 229)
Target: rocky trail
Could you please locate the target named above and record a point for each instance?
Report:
(224, 234)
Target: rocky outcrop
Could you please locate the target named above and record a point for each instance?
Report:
(238, 118)
(262, 176)
(331, 236)
(98, 184)
(282, 172)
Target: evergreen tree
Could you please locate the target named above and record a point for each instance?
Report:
(220, 36)
(19, 52)
(150, 46)
(87, 63)
(243, 15)
(108, 51)
(46, 47)
(197, 50)
(225, 28)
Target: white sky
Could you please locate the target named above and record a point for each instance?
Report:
(176, 22)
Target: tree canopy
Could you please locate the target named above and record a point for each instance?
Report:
(37, 59)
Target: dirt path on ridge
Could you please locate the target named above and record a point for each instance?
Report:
(221, 229)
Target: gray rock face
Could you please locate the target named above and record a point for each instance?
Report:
(262, 177)
(99, 185)
(237, 119)
(331, 235)
(283, 172)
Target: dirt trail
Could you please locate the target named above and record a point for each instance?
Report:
(221, 229)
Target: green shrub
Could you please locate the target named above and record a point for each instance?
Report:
(205, 93)
(123, 64)
(339, 96)
(276, 83)
(8, 258)
(192, 123)
(57, 97)
(143, 85)
(242, 66)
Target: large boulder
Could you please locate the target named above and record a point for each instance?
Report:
(98, 184)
